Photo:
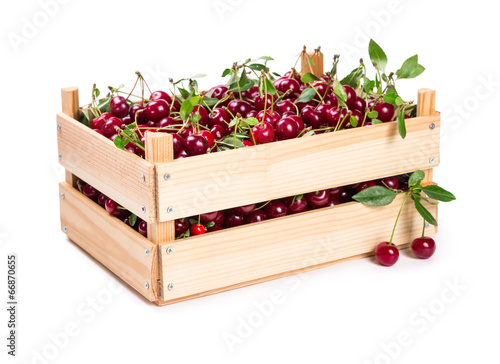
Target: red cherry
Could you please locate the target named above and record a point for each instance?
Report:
(424, 247)
(200, 110)
(101, 199)
(106, 116)
(220, 218)
(209, 137)
(232, 219)
(197, 229)
(91, 192)
(178, 142)
(195, 145)
(264, 101)
(218, 92)
(114, 209)
(387, 254)
(143, 228)
(157, 110)
(134, 112)
(351, 96)
(118, 106)
(287, 128)
(209, 216)
(389, 182)
(160, 95)
(321, 88)
(181, 226)
(275, 209)
(336, 192)
(215, 228)
(365, 185)
(219, 117)
(285, 106)
(218, 132)
(298, 120)
(284, 84)
(385, 111)
(360, 104)
(244, 210)
(270, 117)
(110, 127)
(256, 216)
(263, 134)
(186, 132)
(335, 115)
(97, 123)
(318, 198)
(239, 106)
(295, 205)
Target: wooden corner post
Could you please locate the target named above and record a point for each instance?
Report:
(317, 58)
(71, 107)
(426, 106)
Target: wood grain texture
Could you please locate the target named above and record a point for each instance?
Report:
(248, 175)
(426, 102)
(118, 247)
(114, 172)
(159, 149)
(283, 246)
(70, 106)
(317, 68)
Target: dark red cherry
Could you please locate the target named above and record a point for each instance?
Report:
(168, 125)
(197, 229)
(359, 117)
(106, 116)
(335, 115)
(182, 154)
(263, 134)
(298, 120)
(186, 132)
(296, 204)
(360, 104)
(385, 111)
(232, 219)
(284, 84)
(389, 182)
(270, 117)
(321, 88)
(157, 110)
(264, 101)
(178, 142)
(218, 92)
(209, 216)
(143, 228)
(239, 106)
(91, 192)
(209, 137)
(387, 254)
(285, 106)
(118, 106)
(332, 201)
(351, 96)
(256, 216)
(219, 117)
(114, 209)
(220, 218)
(244, 210)
(215, 228)
(424, 247)
(252, 114)
(318, 198)
(275, 209)
(287, 128)
(110, 127)
(346, 196)
(126, 220)
(160, 95)
(127, 120)
(364, 185)
(200, 110)
(218, 132)
(135, 112)
(101, 199)
(195, 145)
(247, 143)
(181, 226)
(333, 100)
(323, 109)
(336, 192)
(97, 123)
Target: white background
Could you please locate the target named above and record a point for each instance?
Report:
(346, 313)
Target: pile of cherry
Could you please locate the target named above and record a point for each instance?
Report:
(218, 220)
(279, 116)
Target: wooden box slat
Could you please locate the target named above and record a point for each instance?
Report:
(248, 175)
(118, 247)
(275, 248)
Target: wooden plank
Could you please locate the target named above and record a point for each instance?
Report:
(116, 173)
(264, 172)
(118, 247)
(276, 248)
(70, 106)
(426, 102)
(159, 148)
(317, 68)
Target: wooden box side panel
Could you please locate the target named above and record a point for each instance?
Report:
(248, 175)
(120, 175)
(275, 248)
(119, 248)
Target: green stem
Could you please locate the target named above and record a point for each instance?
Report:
(423, 230)
(397, 218)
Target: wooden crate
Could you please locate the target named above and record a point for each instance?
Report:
(159, 189)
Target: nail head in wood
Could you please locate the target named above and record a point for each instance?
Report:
(432, 126)
(146, 285)
(62, 195)
(143, 178)
(58, 127)
(170, 210)
(167, 176)
(147, 252)
(170, 286)
(432, 160)
(169, 250)
(143, 208)
(65, 228)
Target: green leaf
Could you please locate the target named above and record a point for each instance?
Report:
(376, 121)
(226, 72)
(306, 95)
(399, 101)
(438, 193)
(415, 178)
(408, 68)
(104, 104)
(308, 78)
(423, 211)
(402, 123)
(353, 78)
(119, 142)
(339, 91)
(375, 196)
(271, 90)
(187, 107)
(195, 118)
(390, 98)
(258, 67)
(368, 86)
(132, 220)
(184, 92)
(377, 55)
(309, 59)
(373, 114)
(354, 121)
(209, 224)
(251, 121)
(265, 58)
(276, 74)
(193, 221)
(418, 70)
(210, 101)
(309, 133)
(85, 119)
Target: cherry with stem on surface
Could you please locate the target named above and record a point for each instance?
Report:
(423, 247)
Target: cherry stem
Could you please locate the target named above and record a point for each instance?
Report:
(423, 230)
(397, 218)
(258, 208)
